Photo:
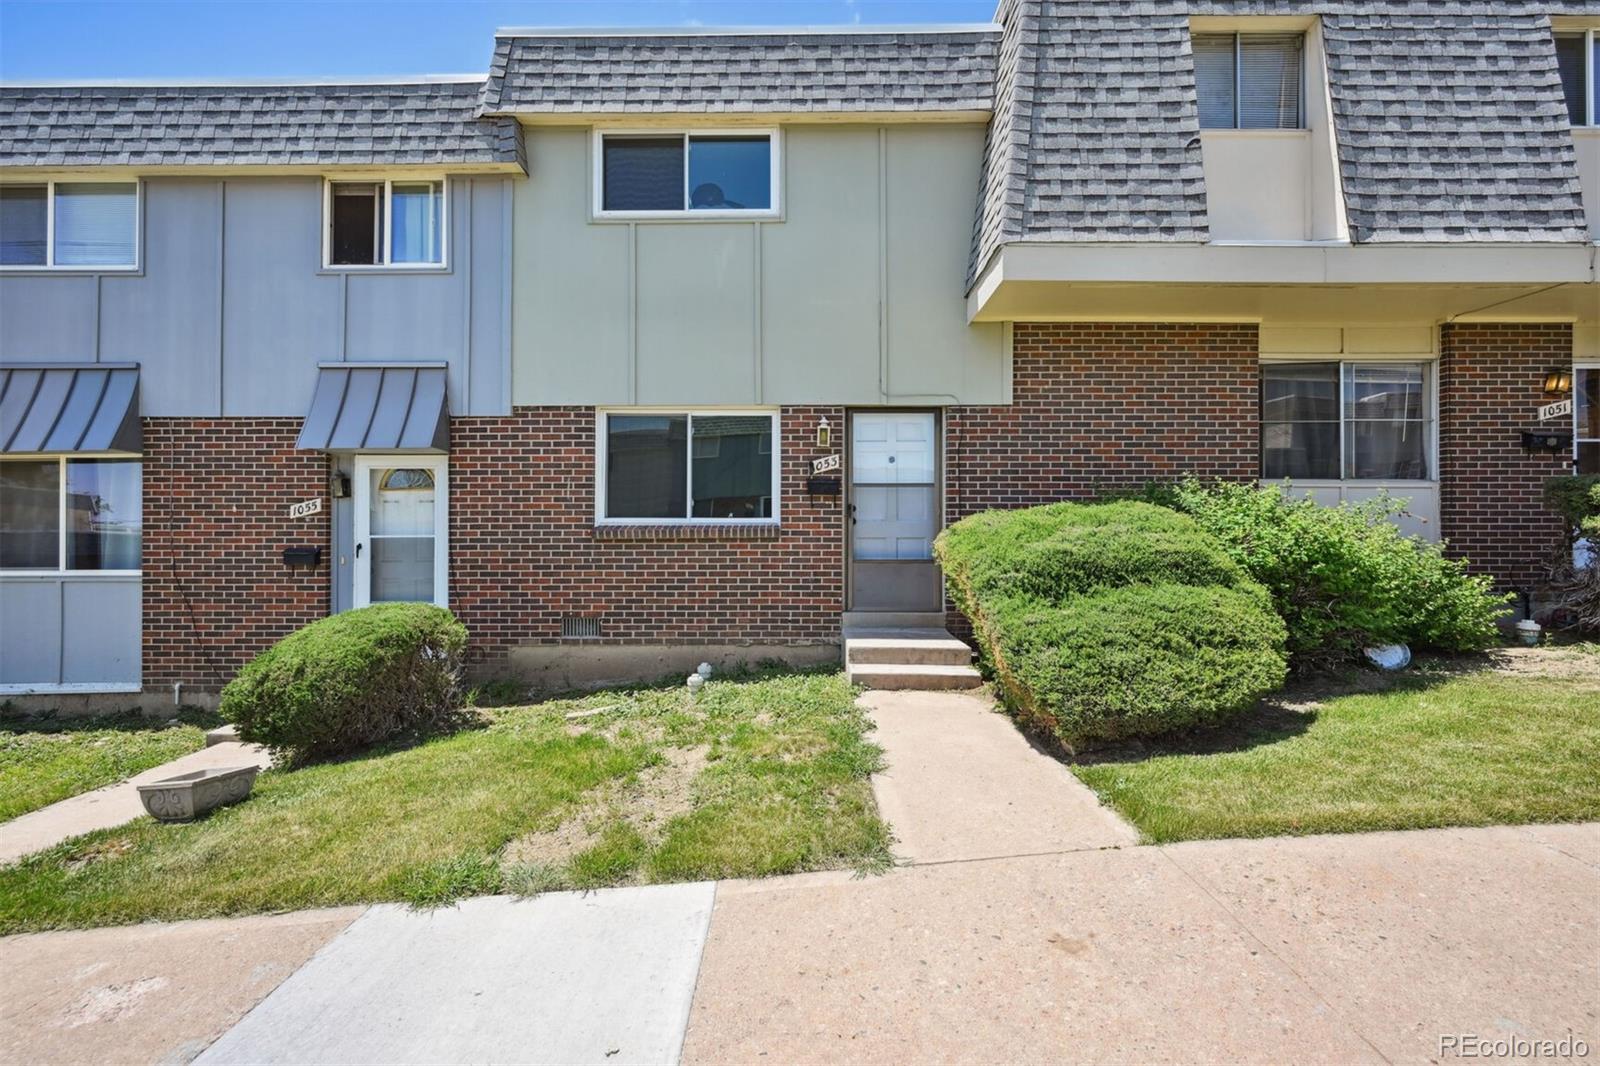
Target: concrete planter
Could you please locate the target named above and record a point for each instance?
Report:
(187, 796)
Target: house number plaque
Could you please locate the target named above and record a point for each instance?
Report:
(825, 464)
(305, 508)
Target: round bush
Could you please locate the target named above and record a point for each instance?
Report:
(1109, 621)
(349, 680)
(1138, 661)
(1345, 578)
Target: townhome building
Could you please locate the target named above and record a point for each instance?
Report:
(648, 347)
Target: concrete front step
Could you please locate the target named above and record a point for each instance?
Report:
(928, 647)
(921, 676)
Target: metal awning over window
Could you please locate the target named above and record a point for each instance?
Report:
(70, 407)
(378, 407)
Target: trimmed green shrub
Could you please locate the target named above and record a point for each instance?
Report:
(1576, 498)
(1112, 621)
(1345, 578)
(1137, 661)
(1574, 590)
(349, 680)
(1066, 548)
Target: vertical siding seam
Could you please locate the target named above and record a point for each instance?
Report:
(61, 631)
(755, 316)
(222, 296)
(508, 240)
(633, 312)
(466, 266)
(344, 316)
(99, 317)
(883, 264)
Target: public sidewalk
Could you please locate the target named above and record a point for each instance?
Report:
(1027, 926)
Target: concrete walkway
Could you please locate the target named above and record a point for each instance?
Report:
(1359, 948)
(963, 783)
(113, 804)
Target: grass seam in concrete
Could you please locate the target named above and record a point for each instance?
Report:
(1333, 1011)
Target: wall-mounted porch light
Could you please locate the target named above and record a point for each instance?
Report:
(824, 434)
(1557, 381)
(339, 486)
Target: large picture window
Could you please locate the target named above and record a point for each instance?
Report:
(687, 466)
(1346, 421)
(77, 225)
(691, 173)
(65, 514)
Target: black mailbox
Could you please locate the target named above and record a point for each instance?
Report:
(823, 486)
(302, 556)
(1543, 440)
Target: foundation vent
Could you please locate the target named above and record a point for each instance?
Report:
(576, 627)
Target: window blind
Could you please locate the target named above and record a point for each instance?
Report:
(1269, 82)
(1569, 59)
(1248, 81)
(95, 224)
(1214, 79)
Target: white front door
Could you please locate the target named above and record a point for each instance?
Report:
(894, 511)
(401, 529)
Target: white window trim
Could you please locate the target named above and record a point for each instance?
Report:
(685, 213)
(385, 243)
(361, 500)
(61, 568)
(1593, 367)
(1431, 393)
(776, 489)
(49, 263)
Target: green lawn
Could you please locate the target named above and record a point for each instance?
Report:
(1438, 747)
(760, 776)
(43, 760)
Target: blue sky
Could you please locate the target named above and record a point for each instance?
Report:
(79, 39)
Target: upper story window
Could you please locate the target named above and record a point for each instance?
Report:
(394, 223)
(1341, 421)
(681, 466)
(730, 173)
(81, 225)
(1578, 58)
(1250, 81)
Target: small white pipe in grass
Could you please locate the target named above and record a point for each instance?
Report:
(177, 693)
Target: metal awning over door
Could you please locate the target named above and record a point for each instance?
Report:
(77, 407)
(378, 407)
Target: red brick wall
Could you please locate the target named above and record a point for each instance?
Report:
(524, 550)
(1107, 405)
(1490, 384)
(1100, 406)
(216, 520)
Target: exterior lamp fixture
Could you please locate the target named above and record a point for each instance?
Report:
(339, 485)
(1557, 381)
(824, 434)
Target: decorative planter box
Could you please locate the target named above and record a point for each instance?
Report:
(187, 796)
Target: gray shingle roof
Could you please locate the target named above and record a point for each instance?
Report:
(750, 73)
(430, 122)
(1448, 113)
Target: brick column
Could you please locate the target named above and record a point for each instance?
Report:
(1490, 385)
(216, 520)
